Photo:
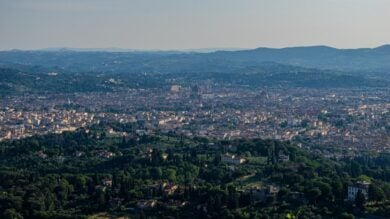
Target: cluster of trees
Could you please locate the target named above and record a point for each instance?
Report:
(67, 184)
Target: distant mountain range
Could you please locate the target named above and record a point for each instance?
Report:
(316, 66)
(318, 57)
(323, 57)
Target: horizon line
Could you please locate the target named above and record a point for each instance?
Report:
(190, 50)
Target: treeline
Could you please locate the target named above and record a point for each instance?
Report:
(77, 174)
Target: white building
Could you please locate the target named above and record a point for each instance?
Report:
(354, 189)
(175, 88)
(232, 159)
(283, 158)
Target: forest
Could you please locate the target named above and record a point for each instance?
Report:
(117, 170)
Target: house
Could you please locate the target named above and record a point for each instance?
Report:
(105, 154)
(354, 189)
(272, 190)
(110, 130)
(175, 203)
(283, 158)
(141, 132)
(175, 88)
(232, 159)
(260, 194)
(107, 182)
(41, 154)
(169, 188)
(146, 204)
(165, 156)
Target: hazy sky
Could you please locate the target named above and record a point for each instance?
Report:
(184, 24)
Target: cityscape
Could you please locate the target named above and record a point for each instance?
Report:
(174, 109)
(355, 119)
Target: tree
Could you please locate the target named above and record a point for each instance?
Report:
(338, 190)
(156, 172)
(326, 191)
(347, 216)
(124, 141)
(35, 203)
(11, 214)
(356, 169)
(313, 194)
(234, 202)
(375, 193)
(101, 198)
(283, 193)
(169, 174)
(63, 190)
(360, 200)
(80, 182)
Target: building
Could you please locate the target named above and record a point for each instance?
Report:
(283, 158)
(169, 188)
(175, 88)
(107, 182)
(232, 159)
(146, 204)
(354, 189)
(260, 194)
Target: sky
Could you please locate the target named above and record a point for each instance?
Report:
(193, 24)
